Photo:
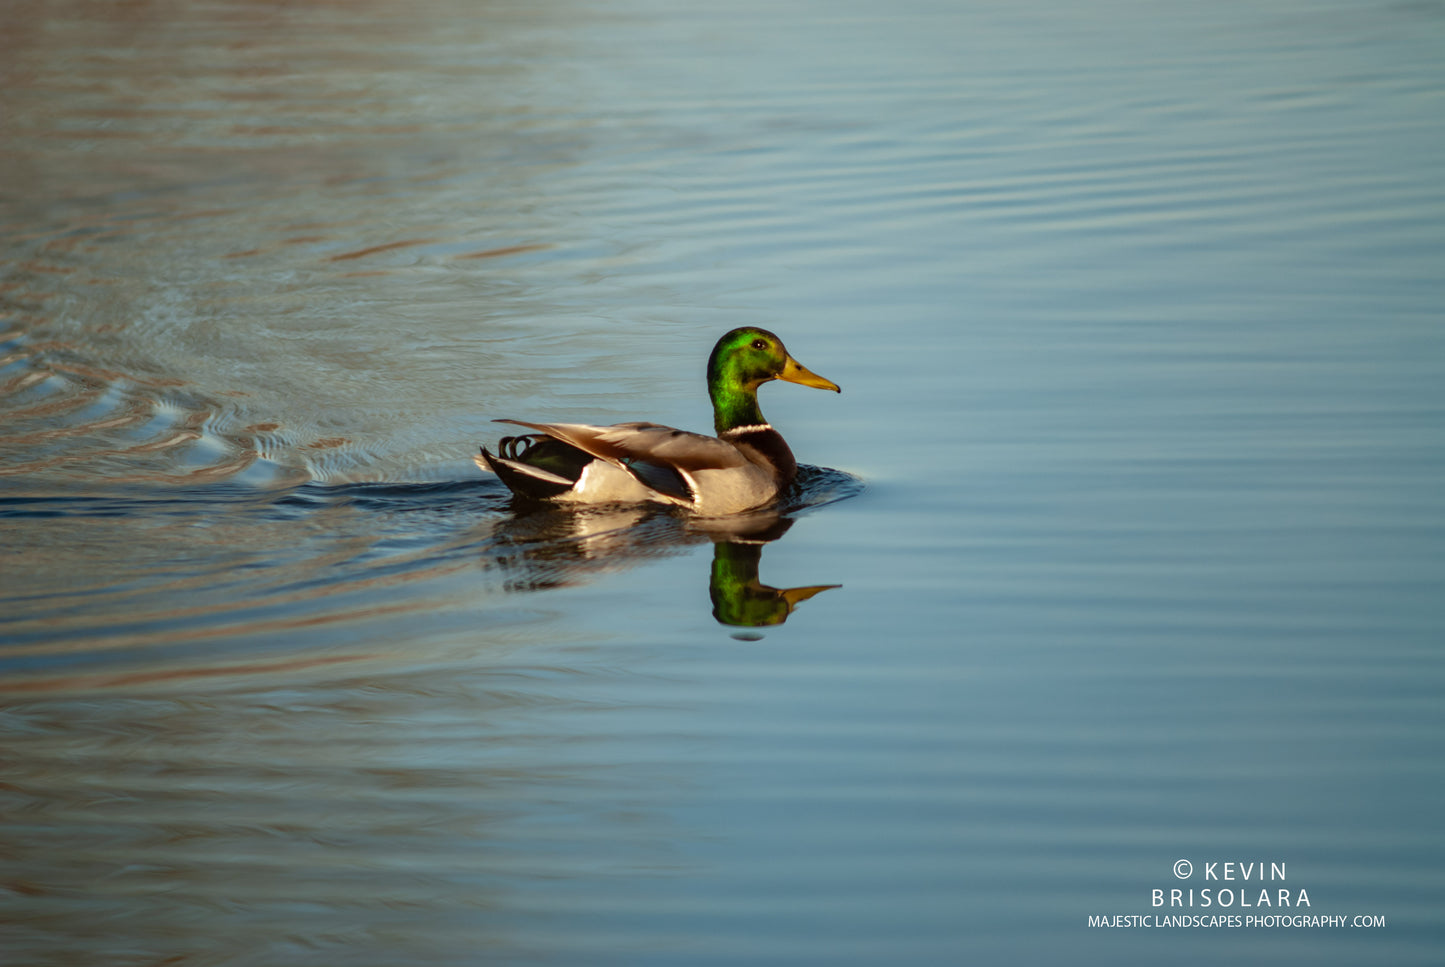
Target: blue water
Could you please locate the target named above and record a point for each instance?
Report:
(1130, 508)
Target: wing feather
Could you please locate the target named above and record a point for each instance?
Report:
(650, 443)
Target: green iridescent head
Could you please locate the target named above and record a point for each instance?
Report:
(743, 360)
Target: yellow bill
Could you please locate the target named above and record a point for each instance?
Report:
(796, 372)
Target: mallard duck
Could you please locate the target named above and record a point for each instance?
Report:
(745, 466)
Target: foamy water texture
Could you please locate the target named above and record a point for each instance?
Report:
(1123, 545)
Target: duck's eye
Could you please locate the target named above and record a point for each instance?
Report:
(759, 344)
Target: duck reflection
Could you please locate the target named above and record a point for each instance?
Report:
(739, 597)
(549, 547)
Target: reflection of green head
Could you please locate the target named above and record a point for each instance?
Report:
(739, 598)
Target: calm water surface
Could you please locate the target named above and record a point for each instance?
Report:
(1132, 500)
